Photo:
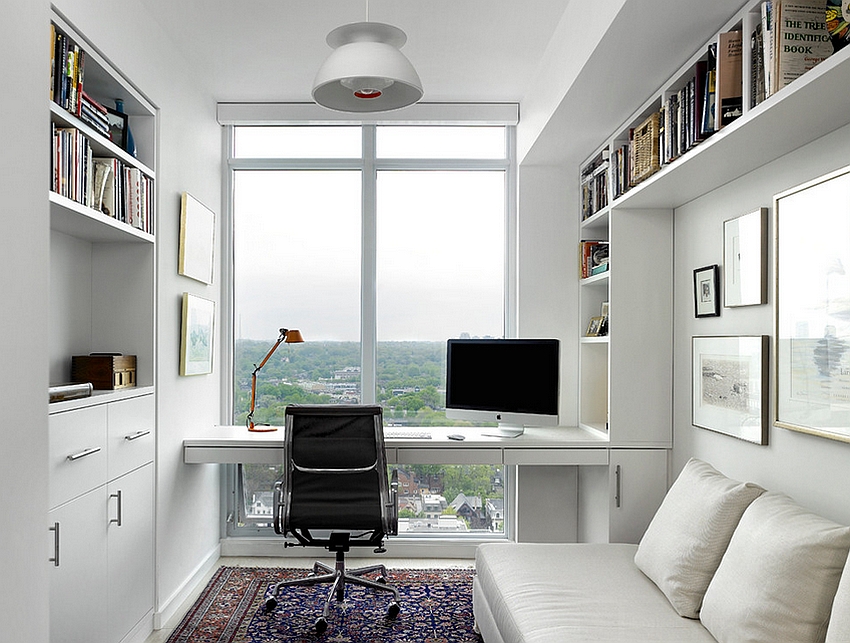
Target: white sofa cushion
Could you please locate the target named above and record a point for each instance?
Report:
(553, 593)
(839, 620)
(685, 541)
(778, 577)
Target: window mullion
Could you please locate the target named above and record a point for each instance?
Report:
(368, 281)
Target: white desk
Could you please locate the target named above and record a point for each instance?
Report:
(537, 446)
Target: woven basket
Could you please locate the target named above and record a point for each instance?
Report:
(646, 158)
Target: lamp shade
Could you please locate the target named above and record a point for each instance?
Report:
(366, 72)
(293, 337)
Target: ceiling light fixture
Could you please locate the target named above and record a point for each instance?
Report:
(366, 72)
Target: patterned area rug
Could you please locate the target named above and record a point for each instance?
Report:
(436, 607)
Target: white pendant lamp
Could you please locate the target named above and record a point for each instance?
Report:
(366, 72)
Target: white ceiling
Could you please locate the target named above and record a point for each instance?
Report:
(269, 50)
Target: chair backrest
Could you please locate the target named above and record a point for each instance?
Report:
(336, 471)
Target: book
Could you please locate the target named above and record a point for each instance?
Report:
(757, 93)
(592, 254)
(768, 44)
(838, 23)
(709, 92)
(801, 40)
(730, 88)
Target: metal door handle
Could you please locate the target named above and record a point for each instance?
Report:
(55, 530)
(617, 478)
(136, 435)
(120, 517)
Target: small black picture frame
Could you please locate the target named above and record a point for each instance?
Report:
(706, 286)
(117, 127)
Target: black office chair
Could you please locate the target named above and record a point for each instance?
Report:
(335, 493)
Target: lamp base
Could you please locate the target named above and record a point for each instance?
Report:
(262, 428)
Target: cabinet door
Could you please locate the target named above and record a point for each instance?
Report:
(637, 482)
(130, 550)
(78, 593)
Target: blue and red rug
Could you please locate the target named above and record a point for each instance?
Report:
(436, 607)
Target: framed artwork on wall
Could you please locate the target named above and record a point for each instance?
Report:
(198, 326)
(745, 260)
(197, 240)
(730, 386)
(706, 298)
(812, 307)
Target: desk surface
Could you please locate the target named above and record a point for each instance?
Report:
(549, 445)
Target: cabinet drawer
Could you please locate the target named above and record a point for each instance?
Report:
(131, 434)
(76, 452)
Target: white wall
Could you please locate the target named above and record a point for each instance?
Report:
(547, 284)
(25, 543)
(811, 469)
(187, 505)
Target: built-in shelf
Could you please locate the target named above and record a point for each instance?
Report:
(77, 220)
(99, 397)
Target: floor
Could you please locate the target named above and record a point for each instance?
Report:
(160, 636)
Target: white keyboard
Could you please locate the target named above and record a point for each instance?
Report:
(393, 433)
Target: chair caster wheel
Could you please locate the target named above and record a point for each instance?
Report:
(271, 603)
(393, 610)
(321, 625)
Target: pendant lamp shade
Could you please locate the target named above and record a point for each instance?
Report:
(366, 72)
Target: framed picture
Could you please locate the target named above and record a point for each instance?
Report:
(730, 386)
(706, 301)
(196, 345)
(197, 240)
(812, 307)
(745, 260)
(595, 327)
(117, 127)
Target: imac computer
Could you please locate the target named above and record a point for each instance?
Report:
(514, 382)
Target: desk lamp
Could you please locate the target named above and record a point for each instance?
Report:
(286, 336)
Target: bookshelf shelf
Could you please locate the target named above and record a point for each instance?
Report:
(83, 222)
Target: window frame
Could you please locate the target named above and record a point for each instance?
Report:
(369, 165)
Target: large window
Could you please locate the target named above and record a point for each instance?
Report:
(378, 243)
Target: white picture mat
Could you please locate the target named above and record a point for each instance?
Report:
(744, 246)
(198, 332)
(197, 240)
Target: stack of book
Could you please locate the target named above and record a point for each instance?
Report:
(94, 114)
(594, 185)
(593, 258)
(67, 70)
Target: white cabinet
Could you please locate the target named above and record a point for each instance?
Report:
(102, 502)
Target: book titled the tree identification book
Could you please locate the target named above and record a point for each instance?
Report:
(801, 40)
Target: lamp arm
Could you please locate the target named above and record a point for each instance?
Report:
(249, 421)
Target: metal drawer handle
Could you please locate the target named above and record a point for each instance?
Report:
(120, 517)
(83, 454)
(136, 435)
(55, 530)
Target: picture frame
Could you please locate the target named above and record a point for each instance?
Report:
(745, 260)
(730, 386)
(594, 326)
(118, 127)
(706, 285)
(197, 335)
(197, 240)
(812, 307)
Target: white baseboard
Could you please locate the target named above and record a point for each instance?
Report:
(169, 607)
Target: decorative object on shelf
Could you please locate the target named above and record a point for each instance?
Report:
(838, 22)
(62, 392)
(196, 345)
(106, 371)
(812, 307)
(646, 160)
(730, 386)
(706, 299)
(197, 240)
(129, 141)
(594, 327)
(366, 72)
(117, 127)
(286, 336)
(745, 260)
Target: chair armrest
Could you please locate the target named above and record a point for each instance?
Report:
(393, 505)
(277, 508)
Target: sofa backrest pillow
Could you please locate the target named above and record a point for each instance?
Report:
(839, 619)
(778, 577)
(686, 538)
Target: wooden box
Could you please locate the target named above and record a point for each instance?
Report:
(105, 372)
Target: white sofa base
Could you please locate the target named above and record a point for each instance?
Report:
(543, 593)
